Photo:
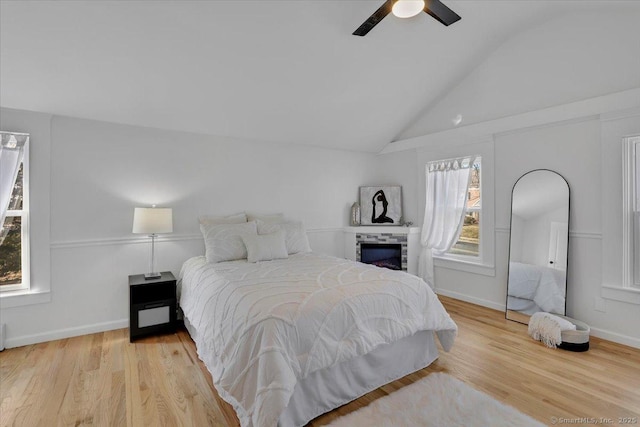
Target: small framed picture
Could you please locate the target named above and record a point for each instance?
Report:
(381, 205)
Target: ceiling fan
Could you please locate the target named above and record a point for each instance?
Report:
(407, 9)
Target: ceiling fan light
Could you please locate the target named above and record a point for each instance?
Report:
(407, 8)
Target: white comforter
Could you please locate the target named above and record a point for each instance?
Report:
(261, 327)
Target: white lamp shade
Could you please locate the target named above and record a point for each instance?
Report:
(152, 220)
(407, 8)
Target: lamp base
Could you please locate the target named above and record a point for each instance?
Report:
(149, 276)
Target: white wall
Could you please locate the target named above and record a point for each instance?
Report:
(100, 171)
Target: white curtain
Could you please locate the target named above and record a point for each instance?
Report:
(446, 197)
(11, 153)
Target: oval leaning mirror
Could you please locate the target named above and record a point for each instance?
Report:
(538, 245)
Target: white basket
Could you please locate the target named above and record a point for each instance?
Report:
(577, 340)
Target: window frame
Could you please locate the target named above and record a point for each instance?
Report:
(630, 213)
(25, 256)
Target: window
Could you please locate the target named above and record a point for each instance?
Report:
(476, 253)
(14, 236)
(631, 212)
(468, 244)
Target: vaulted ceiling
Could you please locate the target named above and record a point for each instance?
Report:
(281, 71)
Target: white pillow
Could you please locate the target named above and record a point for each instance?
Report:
(276, 218)
(295, 236)
(223, 242)
(229, 219)
(265, 247)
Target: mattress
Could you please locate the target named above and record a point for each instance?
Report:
(262, 328)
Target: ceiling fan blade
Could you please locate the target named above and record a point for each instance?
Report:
(375, 18)
(441, 12)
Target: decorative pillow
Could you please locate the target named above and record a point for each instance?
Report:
(270, 219)
(295, 236)
(265, 247)
(223, 242)
(230, 219)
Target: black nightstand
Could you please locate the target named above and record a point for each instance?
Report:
(152, 305)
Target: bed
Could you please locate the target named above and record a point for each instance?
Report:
(289, 339)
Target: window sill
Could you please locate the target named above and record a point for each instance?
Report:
(23, 297)
(618, 293)
(463, 265)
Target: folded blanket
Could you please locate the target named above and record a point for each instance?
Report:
(548, 328)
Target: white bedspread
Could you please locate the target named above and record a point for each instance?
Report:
(260, 327)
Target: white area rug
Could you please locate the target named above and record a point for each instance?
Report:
(437, 400)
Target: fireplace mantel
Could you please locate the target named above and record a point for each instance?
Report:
(409, 234)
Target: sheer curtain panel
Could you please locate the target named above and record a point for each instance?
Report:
(11, 153)
(447, 183)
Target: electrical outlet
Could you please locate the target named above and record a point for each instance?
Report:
(599, 304)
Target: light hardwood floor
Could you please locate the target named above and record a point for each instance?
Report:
(102, 379)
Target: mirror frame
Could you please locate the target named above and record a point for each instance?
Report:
(524, 318)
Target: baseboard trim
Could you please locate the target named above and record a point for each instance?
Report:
(65, 333)
(472, 300)
(595, 332)
(615, 337)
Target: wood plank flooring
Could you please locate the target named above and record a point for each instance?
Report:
(102, 379)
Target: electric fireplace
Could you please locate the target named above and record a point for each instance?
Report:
(382, 255)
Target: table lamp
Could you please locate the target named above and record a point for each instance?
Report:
(152, 221)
